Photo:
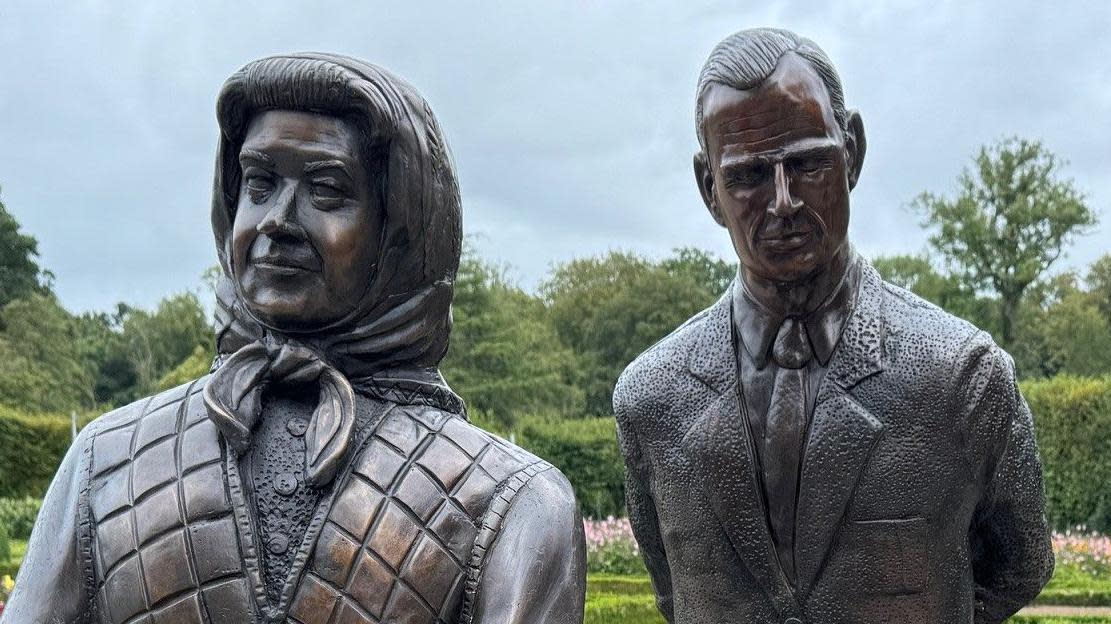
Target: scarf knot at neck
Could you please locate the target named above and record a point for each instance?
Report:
(233, 398)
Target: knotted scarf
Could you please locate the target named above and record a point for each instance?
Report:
(389, 346)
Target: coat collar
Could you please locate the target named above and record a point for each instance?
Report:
(841, 436)
(757, 324)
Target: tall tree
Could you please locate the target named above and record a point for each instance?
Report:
(1011, 219)
(609, 309)
(918, 275)
(41, 368)
(506, 359)
(19, 271)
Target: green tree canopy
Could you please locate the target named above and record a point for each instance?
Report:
(1010, 220)
(19, 271)
(609, 309)
(505, 359)
(41, 368)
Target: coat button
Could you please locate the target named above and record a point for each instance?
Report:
(297, 426)
(285, 483)
(278, 544)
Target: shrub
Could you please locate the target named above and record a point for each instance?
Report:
(1072, 416)
(17, 515)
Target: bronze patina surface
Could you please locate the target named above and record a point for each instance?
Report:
(324, 473)
(821, 446)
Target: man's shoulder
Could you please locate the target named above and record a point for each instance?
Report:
(648, 377)
(925, 332)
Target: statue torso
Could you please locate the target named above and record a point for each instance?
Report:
(398, 537)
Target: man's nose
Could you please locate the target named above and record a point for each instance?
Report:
(784, 205)
(281, 220)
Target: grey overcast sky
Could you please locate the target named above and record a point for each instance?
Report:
(571, 122)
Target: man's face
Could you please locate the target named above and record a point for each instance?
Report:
(306, 232)
(777, 171)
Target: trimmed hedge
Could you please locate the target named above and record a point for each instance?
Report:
(31, 447)
(1072, 416)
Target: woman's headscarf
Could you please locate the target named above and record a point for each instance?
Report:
(391, 343)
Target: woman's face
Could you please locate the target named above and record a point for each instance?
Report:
(308, 223)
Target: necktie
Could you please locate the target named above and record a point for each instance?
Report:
(784, 435)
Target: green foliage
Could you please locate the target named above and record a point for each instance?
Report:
(609, 309)
(615, 558)
(193, 367)
(31, 448)
(19, 272)
(41, 368)
(586, 451)
(5, 544)
(505, 359)
(1073, 420)
(17, 515)
(918, 275)
(132, 350)
(1010, 220)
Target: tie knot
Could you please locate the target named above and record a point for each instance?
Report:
(792, 347)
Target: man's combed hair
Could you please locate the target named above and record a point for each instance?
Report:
(745, 59)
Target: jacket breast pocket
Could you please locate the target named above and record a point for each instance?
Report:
(886, 556)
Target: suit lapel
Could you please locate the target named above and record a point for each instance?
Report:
(721, 453)
(842, 433)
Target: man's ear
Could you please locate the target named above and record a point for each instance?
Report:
(855, 146)
(705, 180)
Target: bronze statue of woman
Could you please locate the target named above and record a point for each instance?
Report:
(324, 472)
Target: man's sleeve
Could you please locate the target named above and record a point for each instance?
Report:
(642, 511)
(1011, 547)
(52, 585)
(535, 569)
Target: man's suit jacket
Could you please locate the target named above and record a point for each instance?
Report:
(921, 496)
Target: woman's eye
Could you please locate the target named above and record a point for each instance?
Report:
(326, 193)
(259, 187)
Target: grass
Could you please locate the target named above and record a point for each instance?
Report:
(618, 599)
(613, 599)
(1074, 587)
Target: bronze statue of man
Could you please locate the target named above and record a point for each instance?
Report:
(821, 446)
(324, 472)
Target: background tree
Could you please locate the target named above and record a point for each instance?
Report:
(19, 271)
(41, 368)
(918, 275)
(1010, 221)
(609, 309)
(505, 358)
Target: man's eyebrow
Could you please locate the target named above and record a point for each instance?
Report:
(319, 165)
(803, 151)
(250, 154)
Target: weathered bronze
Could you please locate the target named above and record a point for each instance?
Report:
(324, 472)
(819, 445)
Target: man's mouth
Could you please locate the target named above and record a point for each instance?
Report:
(787, 241)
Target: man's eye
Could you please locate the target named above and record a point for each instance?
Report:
(810, 166)
(746, 177)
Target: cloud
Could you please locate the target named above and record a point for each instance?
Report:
(571, 124)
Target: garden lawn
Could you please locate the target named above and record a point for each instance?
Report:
(612, 599)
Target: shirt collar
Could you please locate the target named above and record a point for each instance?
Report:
(757, 326)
